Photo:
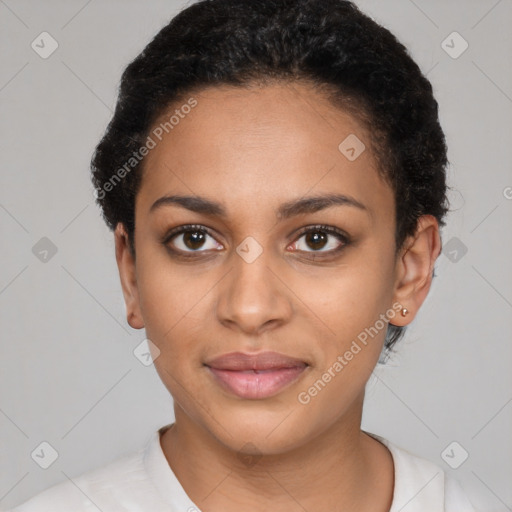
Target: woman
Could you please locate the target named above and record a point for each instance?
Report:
(274, 174)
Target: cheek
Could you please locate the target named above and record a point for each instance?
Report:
(346, 360)
(172, 306)
(352, 298)
(169, 298)
(353, 304)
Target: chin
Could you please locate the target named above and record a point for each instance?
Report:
(262, 429)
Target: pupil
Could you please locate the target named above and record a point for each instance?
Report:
(196, 238)
(317, 239)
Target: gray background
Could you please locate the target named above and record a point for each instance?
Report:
(68, 373)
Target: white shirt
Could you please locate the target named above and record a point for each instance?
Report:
(144, 482)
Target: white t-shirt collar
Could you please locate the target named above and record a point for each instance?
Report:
(419, 484)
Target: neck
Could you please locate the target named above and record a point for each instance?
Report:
(341, 468)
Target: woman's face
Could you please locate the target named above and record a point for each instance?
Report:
(247, 279)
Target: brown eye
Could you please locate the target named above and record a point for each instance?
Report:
(316, 239)
(321, 239)
(191, 239)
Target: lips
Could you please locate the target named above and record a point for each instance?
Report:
(255, 376)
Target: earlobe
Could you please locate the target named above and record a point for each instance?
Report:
(127, 275)
(415, 268)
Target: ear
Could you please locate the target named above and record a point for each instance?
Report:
(414, 268)
(127, 274)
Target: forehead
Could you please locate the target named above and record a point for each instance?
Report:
(275, 143)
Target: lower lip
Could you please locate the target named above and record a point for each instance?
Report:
(257, 385)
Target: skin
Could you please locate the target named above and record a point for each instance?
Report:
(251, 151)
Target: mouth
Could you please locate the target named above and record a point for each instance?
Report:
(255, 376)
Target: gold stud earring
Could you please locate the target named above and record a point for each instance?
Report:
(404, 311)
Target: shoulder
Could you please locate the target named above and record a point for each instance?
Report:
(422, 486)
(109, 487)
(455, 497)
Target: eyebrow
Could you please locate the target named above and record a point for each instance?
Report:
(286, 210)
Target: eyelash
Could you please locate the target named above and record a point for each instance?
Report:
(340, 235)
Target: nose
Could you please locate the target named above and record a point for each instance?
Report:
(253, 297)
